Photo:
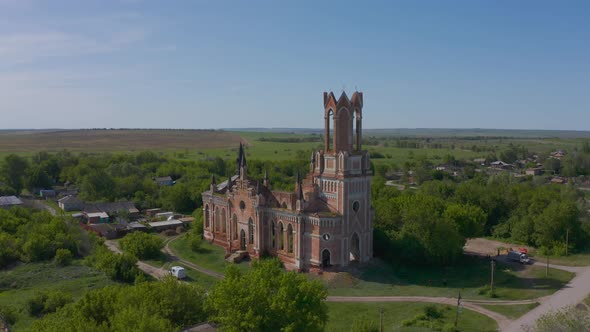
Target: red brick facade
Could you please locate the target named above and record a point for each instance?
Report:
(328, 220)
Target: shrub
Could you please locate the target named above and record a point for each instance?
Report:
(8, 313)
(194, 242)
(142, 245)
(63, 257)
(36, 304)
(47, 302)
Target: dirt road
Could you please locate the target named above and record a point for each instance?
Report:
(573, 293)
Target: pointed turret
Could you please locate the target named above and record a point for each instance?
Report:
(299, 189)
(213, 184)
(229, 183)
(241, 162)
(266, 181)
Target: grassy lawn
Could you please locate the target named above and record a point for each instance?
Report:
(577, 259)
(19, 284)
(342, 316)
(512, 282)
(209, 256)
(513, 311)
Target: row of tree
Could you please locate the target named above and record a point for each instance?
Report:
(266, 298)
(431, 224)
(112, 177)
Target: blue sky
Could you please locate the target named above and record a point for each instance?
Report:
(220, 64)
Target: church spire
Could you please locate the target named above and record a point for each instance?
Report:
(266, 181)
(241, 162)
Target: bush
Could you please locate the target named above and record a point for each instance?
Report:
(63, 257)
(36, 304)
(142, 245)
(9, 314)
(117, 267)
(44, 303)
(364, 325)
(194, 242)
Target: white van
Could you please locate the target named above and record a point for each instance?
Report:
(178, 271)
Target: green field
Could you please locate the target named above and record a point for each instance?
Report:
(512, 311)
(342, 316)
(19, 284)
(209, 256)
(204, 144)
(512, 282)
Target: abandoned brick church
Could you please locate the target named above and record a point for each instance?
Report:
(327, 220)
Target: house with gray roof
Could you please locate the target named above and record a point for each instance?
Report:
(6, 202)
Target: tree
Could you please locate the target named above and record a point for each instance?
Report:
(37, 178)
(469, 219)
(165, 305)
(141, 245)
(13, 171)
(267, 299)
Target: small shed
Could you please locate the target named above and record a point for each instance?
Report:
(47, 193)
(97, 217)
(159, 226)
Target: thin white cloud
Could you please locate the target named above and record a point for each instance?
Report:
(20, 48)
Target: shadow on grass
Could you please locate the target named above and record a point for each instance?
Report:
(471, 272)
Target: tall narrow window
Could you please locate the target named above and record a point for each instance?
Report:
(281, 236)
(207, 216)
(234, 223)
(290, 238)
(250, 231)
(273, 234)
(223, 222)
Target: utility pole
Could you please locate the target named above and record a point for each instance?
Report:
(380, 319)
(567, 235)
(458, 307)
(493, 262)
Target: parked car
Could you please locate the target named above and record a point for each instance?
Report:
(178, 271)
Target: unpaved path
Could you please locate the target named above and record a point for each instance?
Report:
(571, 294)
(193, 266)
(155, 272)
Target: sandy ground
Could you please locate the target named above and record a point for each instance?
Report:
(485, 247)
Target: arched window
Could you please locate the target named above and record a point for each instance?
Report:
(284, 205)
(273, 234)
(206, 216)
(223, 221)
(290, 239)
(250, 231)
(234, 227)
(281, 236)
(328, 118)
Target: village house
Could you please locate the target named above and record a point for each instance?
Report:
(47, 193)
(327, 220)
(6, 202)
(499, 164)
(164, 181)
(534, 171)
(113, 208)
(70, 203)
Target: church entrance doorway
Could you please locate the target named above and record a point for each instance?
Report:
(326, 258)
(242, 240)
(355, 253)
